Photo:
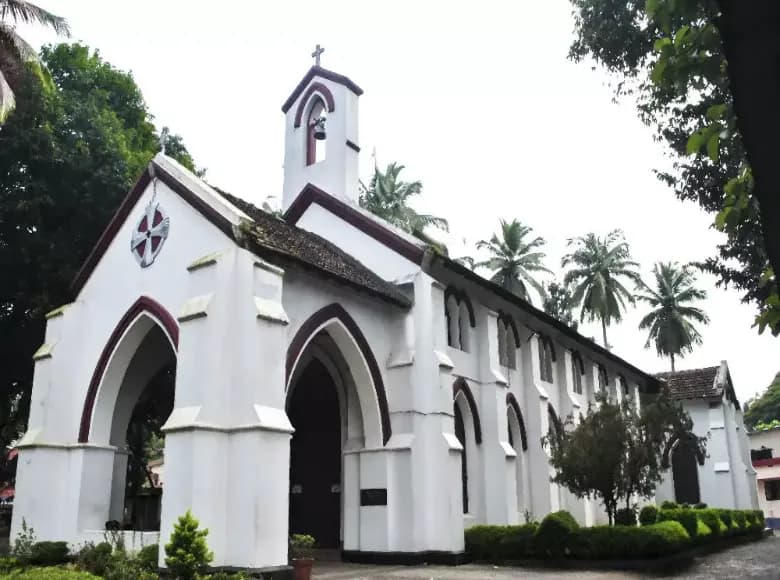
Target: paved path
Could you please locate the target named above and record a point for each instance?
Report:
(760, 560)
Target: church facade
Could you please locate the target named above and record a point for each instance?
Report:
(333, 375)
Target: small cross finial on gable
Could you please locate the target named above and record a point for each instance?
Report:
(316, 55)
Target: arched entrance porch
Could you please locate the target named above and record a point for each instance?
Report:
(337, 405)
(129, 398)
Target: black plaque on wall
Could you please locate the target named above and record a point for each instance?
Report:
(373, 497)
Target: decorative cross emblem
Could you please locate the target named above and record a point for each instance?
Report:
(149, 234)
(316, 55)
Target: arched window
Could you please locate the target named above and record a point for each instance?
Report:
(624, 384)
(315, 130)
(577, 371)
(452, 312)
(460, 433)
(546, 358)
(460, 318)
(603, 378)
(508, 341)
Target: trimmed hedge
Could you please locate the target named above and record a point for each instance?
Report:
(610, 542)
(553, 533)
(559, 535)
(501, 542)
(648, 515)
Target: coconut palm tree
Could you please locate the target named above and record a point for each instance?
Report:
(14, 51)
(598, 266)
(514, 259)
(387, 196)
(670, 323)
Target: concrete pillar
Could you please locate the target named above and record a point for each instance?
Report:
(498, 457)
(227, 439)
(535, 400)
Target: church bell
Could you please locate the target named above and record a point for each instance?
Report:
(319, 129)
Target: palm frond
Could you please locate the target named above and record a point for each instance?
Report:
(22, 11)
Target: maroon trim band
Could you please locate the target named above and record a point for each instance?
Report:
(512, 403)
(313, 194)
(143, 304)
(317, 320)
(314, 88)
(461, 386)
(318, 71)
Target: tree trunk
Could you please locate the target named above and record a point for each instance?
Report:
(672, 357)
(604, 332)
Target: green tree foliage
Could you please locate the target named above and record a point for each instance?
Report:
(765, 408)
(387, 196)
(514, 259)
(597, 268)
(559, 304)
(67, 158)
(667, 54)
(670, 322)
(17, 58)
(187, 553)
(616, 452)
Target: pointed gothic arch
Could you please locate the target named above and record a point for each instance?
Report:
(129, 332)
(461, 387)
(353, 346)
(514, 406)
(322, 92)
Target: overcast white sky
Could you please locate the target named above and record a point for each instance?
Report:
(477, 99)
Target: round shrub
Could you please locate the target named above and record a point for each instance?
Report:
(552, 535)
(713, 521)
(669, 505)
(625, 517)
(703, 532)
(740, 520)
(700, 506)
(94, 559)
(648, 515)
(728, 521)
(664, 538)
(687, 518)
(148, 557)
(49, 553)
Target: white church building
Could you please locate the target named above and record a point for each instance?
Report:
(333, 375)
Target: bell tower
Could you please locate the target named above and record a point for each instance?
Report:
(321, 135)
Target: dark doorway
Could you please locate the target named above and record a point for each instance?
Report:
(685, 472)
(460, 433)
(145, 442)
(315, 457)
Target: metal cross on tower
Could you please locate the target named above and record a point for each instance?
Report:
(316, 55)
